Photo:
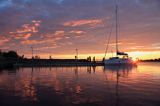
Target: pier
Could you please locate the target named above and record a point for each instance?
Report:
(55, 62)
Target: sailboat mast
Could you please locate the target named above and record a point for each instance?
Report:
(116, 28)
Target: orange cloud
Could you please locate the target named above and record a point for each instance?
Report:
(29, 42)
(47, 47)
(58, 35)
(29, 28)
(36, 22)
(48, 39)
(34, 42)
(24, 36)
(113, 44)
(27, 35)
(26, 30)
(91, 22)
(67, 37)
(77, 32)
(3, 40)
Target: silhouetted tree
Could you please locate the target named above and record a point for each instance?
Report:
(10, 54)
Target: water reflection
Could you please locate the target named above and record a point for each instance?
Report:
(120, 71)
(112, 86)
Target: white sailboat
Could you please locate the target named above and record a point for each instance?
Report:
(121, 58)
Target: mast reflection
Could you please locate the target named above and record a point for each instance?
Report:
(121, 71)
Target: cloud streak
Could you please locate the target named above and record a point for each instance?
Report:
(89, 22)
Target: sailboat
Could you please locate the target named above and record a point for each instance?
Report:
(125, 59)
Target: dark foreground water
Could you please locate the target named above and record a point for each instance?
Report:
(81, 86)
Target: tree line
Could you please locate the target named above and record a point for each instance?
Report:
(9, 55)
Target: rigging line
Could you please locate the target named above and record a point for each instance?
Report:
(110, 33)
(107, 84)
(106, 50)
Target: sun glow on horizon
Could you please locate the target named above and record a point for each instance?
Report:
(99, 56)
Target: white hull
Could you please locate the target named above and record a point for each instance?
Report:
(119, 61)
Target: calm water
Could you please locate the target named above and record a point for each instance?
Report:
(81, 86)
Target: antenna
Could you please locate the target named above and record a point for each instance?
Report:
(32, 51)
(77, 53)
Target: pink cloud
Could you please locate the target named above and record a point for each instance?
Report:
(24, 36)
(26, 30)
(77, 32)
(36, 22)
(3, 40)
(34, 42)
(58, 35)
(30, 42)
(50, 39)
(47, 47)
(90, 22)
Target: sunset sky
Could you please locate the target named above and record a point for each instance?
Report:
(58, 27)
